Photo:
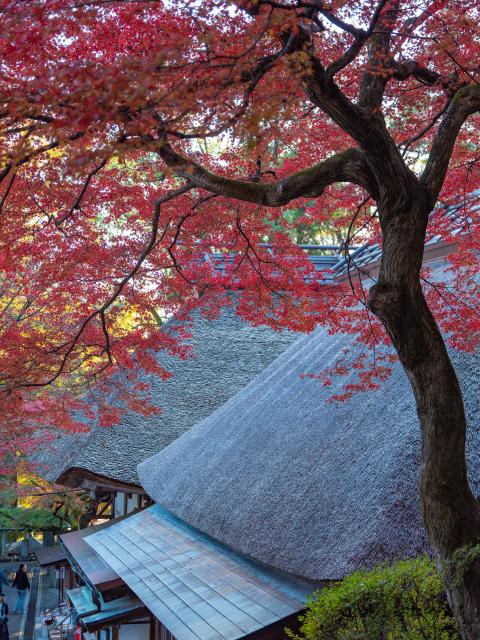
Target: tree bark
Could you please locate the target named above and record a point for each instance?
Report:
(450, 512)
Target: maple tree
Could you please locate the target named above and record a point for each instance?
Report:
(138, 139)
(29, 501)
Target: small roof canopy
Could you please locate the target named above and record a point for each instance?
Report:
(29, 544)
(94, 569)
(82, 600)
(118, 610)
(196, 587)
(92, 618)
(47, 556)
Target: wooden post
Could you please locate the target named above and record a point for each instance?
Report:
(24, 547)
(154, 634)
(48, 538)
(3, 555)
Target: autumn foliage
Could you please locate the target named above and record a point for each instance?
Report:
(102, 228)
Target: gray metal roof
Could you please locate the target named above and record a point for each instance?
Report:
(305, 485)
(227, 353)
(115, 610)
(360, 258)
(51, 555)
(92, 567)
(335, 261)
(196, 587)
(82, 600)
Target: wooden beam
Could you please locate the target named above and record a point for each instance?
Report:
(76, 477)
(104, 508)
(152, 631)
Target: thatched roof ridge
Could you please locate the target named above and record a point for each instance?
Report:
(227, 353)
(311, 487)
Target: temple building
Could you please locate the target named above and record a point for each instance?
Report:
(263, 494)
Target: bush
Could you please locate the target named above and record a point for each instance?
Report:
(402, 601)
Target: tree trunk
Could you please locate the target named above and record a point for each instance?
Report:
(451, 513)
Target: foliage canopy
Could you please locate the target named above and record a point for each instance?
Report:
(138, 137)
(403, 601)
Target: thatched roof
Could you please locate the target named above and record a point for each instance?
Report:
(227, 354)
(305, 485)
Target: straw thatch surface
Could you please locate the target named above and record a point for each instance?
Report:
(227, 354)
(308, 486)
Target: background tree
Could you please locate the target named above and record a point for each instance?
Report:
(36, 505)
(138, 137)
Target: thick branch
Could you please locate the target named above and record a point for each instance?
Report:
(465, 102)
(360, 38)
(325, 94)
(413, 69)
(348, 166)
(409, 68)
(365, 126)
(375, 79)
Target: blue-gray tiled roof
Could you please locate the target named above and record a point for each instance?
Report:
(196, 587)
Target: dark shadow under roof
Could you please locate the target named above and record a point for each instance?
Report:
(197, 588)
(311, 487)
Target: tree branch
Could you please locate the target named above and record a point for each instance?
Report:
(374, 81)
(251, 77)
(365, 126)
(405, 144)
(348, 166)
(71, 344)
(78, 200)
(360, 38)
(465, 103)
(412, 68)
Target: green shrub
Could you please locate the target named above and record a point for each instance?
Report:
(402, 601)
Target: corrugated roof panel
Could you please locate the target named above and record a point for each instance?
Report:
(196, 587)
